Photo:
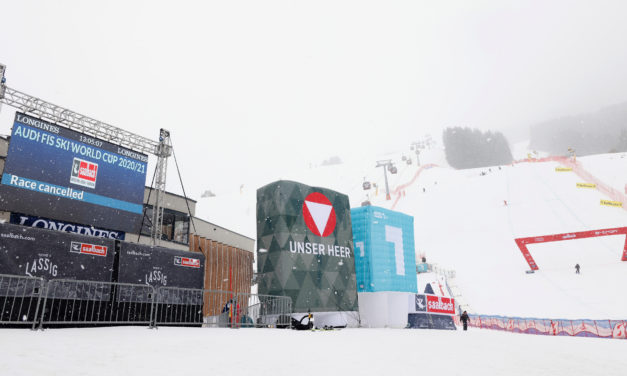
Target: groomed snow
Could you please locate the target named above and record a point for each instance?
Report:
(189, 351)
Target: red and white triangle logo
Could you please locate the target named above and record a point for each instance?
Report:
(319, 214)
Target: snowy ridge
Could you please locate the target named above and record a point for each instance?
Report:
(465, 224)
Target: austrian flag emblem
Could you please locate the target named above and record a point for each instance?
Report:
(319, 214)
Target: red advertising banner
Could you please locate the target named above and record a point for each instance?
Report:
(439, 304)
(554, 327)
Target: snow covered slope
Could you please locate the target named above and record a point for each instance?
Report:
(462, 223)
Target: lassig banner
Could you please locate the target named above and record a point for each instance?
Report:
(55, 172)
(557, 327)
(50, 255)
(157, 267)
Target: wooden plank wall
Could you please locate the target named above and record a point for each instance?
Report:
(227, 269)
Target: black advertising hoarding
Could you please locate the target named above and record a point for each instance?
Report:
(55, 172)
(56, 255)
(430, 321)
(157, 267)
(305, 247)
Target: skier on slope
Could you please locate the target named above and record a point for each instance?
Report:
(464, 317)
(577, 267)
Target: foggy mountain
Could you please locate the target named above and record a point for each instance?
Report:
(603, 131)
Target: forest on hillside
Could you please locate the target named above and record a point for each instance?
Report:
(471, 148)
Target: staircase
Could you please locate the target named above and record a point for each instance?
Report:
(450, 278)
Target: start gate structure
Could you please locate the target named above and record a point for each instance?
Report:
(523, 242)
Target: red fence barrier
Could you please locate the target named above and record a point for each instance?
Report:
(555, 327)
(612, 193)
(399, 190)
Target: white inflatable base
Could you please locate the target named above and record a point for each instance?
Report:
(385, 309)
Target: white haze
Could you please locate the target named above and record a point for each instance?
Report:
(251, 89)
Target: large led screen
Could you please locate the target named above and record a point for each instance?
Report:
(55, 172)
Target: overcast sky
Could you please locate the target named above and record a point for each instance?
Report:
(250, 87)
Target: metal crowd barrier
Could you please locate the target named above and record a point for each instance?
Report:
(73, 302)
(178, 306)
(19, 299)
(66, 302)
(263, 311)
(220, 309)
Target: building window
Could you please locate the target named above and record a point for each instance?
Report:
(175, 225)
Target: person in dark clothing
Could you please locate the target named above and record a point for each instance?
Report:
(464, 317)
(577, 269)
(298, 324)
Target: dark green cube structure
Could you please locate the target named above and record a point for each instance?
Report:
(305, 247)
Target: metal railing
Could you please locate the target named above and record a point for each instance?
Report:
(263, 311)
(67, 302)
(20, 299)
(178, 306)
(74, 302)
(220, 309)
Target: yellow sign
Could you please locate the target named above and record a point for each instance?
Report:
(586, 185)
(617, 204)
(563, 169)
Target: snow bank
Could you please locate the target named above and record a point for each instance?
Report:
(187, 351)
